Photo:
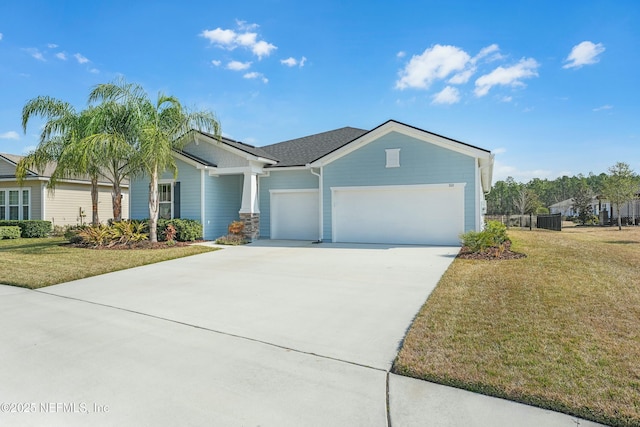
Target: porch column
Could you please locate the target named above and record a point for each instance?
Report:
(249, 211)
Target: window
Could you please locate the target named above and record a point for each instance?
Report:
(165, 201)
(15, 204)
(393, 157)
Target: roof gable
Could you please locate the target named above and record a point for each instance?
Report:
(411, 131)
(256, 152)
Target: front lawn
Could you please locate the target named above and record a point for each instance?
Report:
(34, 263)
(559, 329)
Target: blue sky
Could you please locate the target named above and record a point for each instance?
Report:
(551, 87)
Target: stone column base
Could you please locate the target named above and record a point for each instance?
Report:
(251, 225)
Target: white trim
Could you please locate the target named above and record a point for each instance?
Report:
(43, 201)
(392, 126)
(64, 181)
(233, 150)
(238, 170)
(167, 181)
(189, 161)
(320, 203)
(20, 204)
(289, 168)
(202, 204)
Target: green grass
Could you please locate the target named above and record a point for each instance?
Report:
(559, 329)
(35, 263)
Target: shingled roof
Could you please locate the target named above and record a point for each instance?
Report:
(301, 151)
(256, 151)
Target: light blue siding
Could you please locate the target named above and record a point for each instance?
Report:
(223, 201)
(280, 180)
(420, 163)
(189, 179)
(139, 197)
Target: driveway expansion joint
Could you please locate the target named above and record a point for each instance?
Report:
(255, 340)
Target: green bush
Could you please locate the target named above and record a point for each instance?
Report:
(494, 235)
(30, 228)
(187, 230)
(10, 232)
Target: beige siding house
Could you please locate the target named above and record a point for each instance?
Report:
(70, 204)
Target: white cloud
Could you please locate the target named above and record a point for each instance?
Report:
(463, 77)
(52, 45)
(292, 62)
(604, 107)
(486, 51)
(62, 56)
(499, 150)
(401, 54)
(437, 62)
(448, 95)
(509, 76)
(256, 75)
(501, 172)
(94, 71)
(506, 99)
(244, 37)
(35, 53)
(80, 58)
(584, 53)
(216, 62)
(262, 48)
(1, 36)
(10, 135)
(243, 25)
(289, 62)
(238, 66)
(220, 37)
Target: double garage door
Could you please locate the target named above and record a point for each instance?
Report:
(404, 214)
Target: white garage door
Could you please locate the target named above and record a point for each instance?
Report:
(294, 214)
(404, 214)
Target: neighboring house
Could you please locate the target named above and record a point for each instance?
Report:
(601, 207)
(394, 184)
(70, 204)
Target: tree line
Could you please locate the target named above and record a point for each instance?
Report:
(123, 133)
(619, 186)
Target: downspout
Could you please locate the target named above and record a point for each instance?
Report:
(202, 207)
(320, 197)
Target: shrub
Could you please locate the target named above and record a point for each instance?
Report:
(236, 227)
(232, 239)
(187, 230)
(127, 232)
(494, 235)
(10, 232)
(71, 233)
(30, 228)
(117, 233)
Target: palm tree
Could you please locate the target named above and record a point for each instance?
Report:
(112, 146)
(159, 127)
(61, 134)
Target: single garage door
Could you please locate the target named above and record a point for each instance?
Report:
(294, 214)
(403, 214)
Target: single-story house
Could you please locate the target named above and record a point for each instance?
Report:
(602, 208)
(393, 184)
(70, 204)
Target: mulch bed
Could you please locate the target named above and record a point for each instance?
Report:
(490, 254)
(138, 245)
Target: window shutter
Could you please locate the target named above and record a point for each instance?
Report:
(176, 200)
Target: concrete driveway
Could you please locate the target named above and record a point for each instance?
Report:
(269, 334)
